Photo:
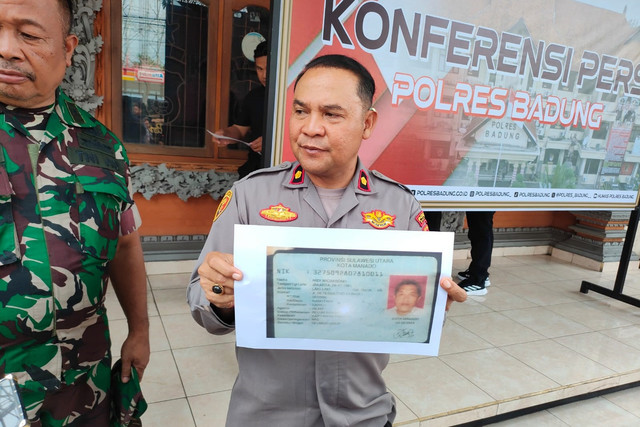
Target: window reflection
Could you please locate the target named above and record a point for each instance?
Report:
(164, 57)
(250, 27)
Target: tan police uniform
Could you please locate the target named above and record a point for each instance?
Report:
(293, 388)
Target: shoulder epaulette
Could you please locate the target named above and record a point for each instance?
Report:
(270, 170)
(389, 180)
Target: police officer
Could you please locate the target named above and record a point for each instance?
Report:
(67, 225)
(327, 187)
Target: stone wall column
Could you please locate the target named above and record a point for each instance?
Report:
(598, 239)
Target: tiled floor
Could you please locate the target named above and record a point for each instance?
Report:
(533, 338)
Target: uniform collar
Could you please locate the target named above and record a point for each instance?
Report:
(70, 114)
(361, 182)
(65, 114)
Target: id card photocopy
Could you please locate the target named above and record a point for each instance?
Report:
(341, 290)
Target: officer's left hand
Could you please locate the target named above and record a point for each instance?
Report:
(454, 292)
(217, 269)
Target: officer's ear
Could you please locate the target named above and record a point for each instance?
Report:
(370, 120)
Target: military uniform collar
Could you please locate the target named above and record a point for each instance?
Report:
(65, 114)
(361, 182)
(70, 114)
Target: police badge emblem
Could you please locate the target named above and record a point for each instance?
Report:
(378, 219)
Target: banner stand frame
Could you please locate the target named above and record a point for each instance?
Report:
(623, 266)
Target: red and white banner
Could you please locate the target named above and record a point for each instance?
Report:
(507, 104)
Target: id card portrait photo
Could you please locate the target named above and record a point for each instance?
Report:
(341, 290)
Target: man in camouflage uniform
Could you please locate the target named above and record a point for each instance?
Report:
(67, 225)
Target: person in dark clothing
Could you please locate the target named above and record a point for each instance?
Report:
(475, 279)
(248, 126)
(434, 218)
(133, 127)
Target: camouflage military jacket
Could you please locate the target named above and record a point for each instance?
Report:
(64, 197)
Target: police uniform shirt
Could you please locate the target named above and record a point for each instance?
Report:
(292, 388)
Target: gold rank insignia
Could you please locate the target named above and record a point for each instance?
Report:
(378, 219)
(278, 213)
(363, 181)
(298, 175)
(223, 204)
(422, 221)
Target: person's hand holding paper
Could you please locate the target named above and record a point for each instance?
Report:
(217, 275)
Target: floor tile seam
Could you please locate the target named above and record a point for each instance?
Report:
(590, 401)
(504, 349)
(195, 325)
(405, 423)
(506, 317)
(207, 393)
(615, 304)
(606, 397)
(397, 398)
(395, 363)
(170, 288)
(491, 309)
(192, 410)
(621, 408)
(453, 412)
(453, 316)
(557, 418)
(605, 314)
(182, 382)
(166, 336)
(566, 318)
(497, 403)
(573, 333)
(155, 304)
(528, 365)
(472, 333)
(167, 290)
(201, 345)
(172, 399)
(175, 363)
(469, 379)
(591, 359)
(620, 327)
(564, 423)
(552, 285)
(226, 390)
(517, 258)
(502, 310)
(521, 280)
(475, 349)
(600, 331)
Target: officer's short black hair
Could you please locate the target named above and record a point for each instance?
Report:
(66, 8)
(260, 50)
(366, 84)
(408, 282)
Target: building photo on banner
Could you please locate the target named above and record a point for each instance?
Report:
(501, 104)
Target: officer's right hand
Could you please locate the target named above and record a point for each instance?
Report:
(217, 275)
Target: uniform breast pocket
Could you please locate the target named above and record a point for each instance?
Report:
(9, 244)
(99, 203)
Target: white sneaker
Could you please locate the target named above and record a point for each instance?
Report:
(465, 275)
(472, 288)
